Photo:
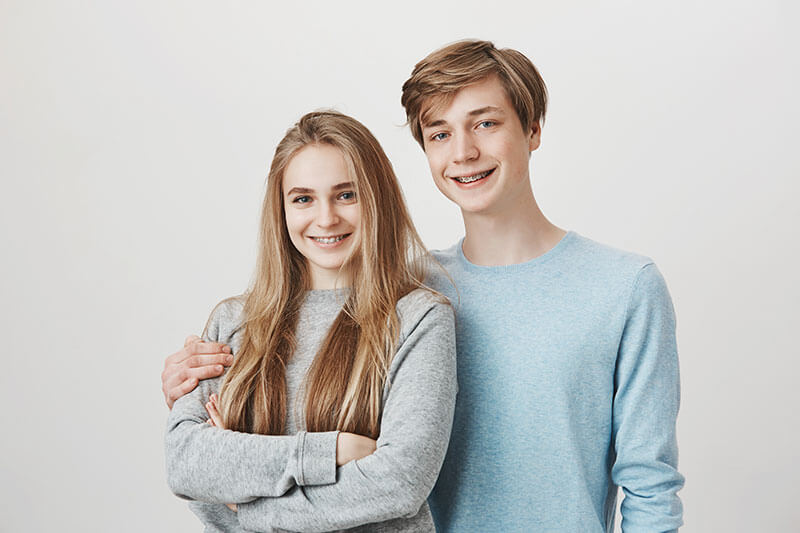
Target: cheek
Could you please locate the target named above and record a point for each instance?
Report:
(517, 152)
(295, 224)
(434, 160)
(354, 218)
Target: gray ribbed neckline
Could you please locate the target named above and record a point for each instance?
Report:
(320, 296)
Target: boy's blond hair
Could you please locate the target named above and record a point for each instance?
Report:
(437, 78)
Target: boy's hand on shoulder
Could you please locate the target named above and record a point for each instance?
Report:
(197, 360)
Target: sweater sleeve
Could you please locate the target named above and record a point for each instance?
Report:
(221, 466)
(647, 394)
(415, 429)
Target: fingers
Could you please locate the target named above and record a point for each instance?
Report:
(191, 339)
(202, 347)
(173, 393)
(195, 366)
(200, 367)
(208, 360)
(181, 379)
(213, 412)
(178, 374)
(205, 372)
(195, 346)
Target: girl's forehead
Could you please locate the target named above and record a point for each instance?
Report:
(316, 167)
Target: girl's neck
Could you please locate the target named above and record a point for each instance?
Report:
(325, 281)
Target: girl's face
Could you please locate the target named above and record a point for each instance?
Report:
(323, 215)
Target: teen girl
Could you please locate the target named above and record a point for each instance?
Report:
(336, 412)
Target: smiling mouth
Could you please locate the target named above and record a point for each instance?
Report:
(331, 240)
(473, 178)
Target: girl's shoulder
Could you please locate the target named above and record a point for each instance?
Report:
(420, 304)
(225, 320)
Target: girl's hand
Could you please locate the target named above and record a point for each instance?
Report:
(216, 421)
(350, 447)
(213, 412)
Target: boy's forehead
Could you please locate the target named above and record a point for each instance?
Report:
(437, 105)
(434, 107)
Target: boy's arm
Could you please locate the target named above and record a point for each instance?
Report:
(396, 479)
(647, 394)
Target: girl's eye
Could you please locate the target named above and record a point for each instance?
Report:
(301, 200)
(439, 137)
(348, 196)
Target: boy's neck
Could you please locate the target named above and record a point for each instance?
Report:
(510, 236)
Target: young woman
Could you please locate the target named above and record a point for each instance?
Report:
(339, 402)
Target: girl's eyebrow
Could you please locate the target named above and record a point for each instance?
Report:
(301, 190)
(343, 185)
(306, 190)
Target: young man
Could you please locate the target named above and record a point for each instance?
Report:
(567, 363)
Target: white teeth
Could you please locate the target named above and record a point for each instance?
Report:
(470, 179)
(329, 240)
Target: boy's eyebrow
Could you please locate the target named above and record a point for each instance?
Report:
(434, 124)
(306, 190)
(473, 113)
(485, 109)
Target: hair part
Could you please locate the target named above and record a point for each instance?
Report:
(344, 384)
(438, 77)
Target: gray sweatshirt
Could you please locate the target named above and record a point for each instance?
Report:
(291, 482)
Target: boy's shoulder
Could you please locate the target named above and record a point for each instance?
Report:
(593, 254)
(577, 265)
(573, 249)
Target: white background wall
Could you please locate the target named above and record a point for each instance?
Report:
(134, 143)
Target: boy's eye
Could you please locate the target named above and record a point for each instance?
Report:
(487, 124)
(439, 136)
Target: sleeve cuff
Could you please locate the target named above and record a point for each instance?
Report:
(318, 458)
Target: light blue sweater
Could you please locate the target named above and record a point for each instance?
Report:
(568, 388)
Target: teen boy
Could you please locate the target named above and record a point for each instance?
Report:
(567, 363)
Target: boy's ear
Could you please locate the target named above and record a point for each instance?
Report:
(535, 137)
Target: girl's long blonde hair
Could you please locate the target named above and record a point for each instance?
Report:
(345, 382)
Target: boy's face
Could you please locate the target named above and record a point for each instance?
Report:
(477, 150)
